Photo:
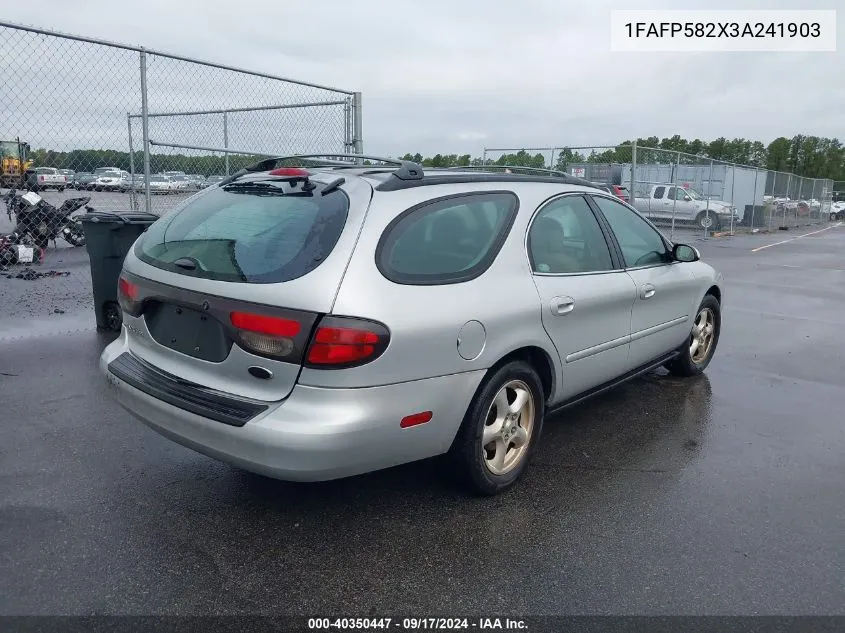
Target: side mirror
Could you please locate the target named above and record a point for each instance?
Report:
(685, 253)
(687, 198)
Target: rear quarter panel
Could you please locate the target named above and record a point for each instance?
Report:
(424, 321)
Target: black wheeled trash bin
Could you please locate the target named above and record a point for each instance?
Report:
(108, 237)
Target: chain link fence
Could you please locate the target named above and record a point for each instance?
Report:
(94, 124)
(685, 193)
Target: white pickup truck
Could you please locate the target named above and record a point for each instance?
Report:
(685, 205)
(48, 178)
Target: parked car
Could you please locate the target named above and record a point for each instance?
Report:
(136, 182)
(99, 171)
(270, 321)
(181, 183)
(42, 178)
(69, 174)
(112, 181)
(196, 181)
(619, 191)
(212, 180)
(837, 210)
(83, 180)
(160, 183)
(667, 201)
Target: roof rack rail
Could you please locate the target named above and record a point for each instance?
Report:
(510, 168)
(407, 170)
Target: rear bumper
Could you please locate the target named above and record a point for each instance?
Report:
(316, 433)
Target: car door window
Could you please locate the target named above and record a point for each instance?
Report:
(641, 244)
(448, 240)
(565, 237)
(658, 192)
(680, 194)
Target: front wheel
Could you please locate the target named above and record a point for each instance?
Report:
(697, 351)
(500, 429)
(708, 221)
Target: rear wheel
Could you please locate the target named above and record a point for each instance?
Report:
(500, 429)
(697, 352)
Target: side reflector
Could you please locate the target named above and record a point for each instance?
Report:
(264, 324)
(415, 419)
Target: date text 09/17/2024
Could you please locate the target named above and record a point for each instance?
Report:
(417, 624)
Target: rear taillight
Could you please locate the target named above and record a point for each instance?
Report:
(343, 342)
(127, 295)
(41, 178)
(265, 335)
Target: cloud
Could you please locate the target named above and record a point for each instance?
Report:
(472, 136)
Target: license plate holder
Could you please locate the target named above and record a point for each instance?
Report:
(189, 331)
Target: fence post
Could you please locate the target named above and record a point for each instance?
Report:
(484, 157)
(226, 139)
(133, 202)
(754, 197)
(675, 178)
(733, 202)
(145, 130)
(552, 160)
(631, 193)
(358, 123)
(789, 197)
(707, 208)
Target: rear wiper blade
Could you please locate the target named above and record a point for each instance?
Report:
(257, 188)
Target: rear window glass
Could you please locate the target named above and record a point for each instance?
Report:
(241, 234)
(448, 240)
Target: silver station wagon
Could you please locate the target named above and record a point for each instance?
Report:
(336, 317)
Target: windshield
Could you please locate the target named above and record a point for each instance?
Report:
(247, 232)
(105, 170)
(9, 148)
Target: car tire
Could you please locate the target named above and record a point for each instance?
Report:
(490, 469)
(690, 360)
(708, 222)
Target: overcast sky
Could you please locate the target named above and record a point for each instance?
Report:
(458, 75)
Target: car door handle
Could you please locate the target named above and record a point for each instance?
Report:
(562, 305)
(647, 291)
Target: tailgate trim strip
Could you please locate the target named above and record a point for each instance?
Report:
(202, 401)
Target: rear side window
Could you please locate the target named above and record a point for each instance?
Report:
(448, 240)
(658, 192)
(245, 235)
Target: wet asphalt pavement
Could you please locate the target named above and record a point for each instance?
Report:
(718, 495)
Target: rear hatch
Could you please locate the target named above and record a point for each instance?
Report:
(226, 291)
